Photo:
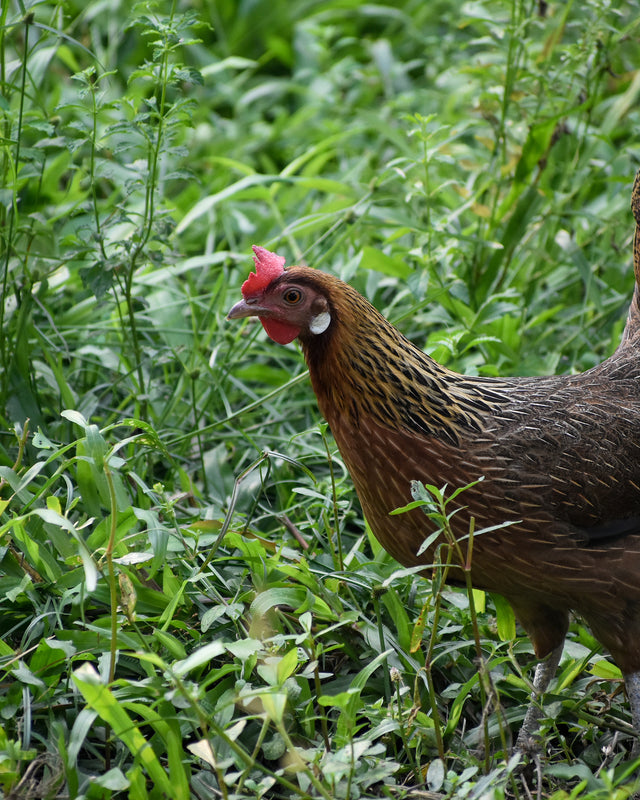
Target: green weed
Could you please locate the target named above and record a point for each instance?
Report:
(191, 604)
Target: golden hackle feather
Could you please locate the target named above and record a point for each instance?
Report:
(551, 464)
(559, 457)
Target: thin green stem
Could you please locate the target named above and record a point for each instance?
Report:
(113, 588)
(92, 165)
(482, 670)
(13, 211)
(408, 751)
(435, 712)
(194, 409)
(381, 642)
(308, 771)
(113, 598)
(155, 144)
(334, 496)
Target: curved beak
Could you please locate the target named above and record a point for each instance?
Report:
(243, 309)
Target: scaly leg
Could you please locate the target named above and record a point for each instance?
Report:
(632, 683)
(545, 670)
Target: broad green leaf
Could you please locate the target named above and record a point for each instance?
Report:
(375, 259)
(203, 655)
(505, 619)
(278, 596)
(100, 699)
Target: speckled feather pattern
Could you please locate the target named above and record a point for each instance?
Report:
(559, 457)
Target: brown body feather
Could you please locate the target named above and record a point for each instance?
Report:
(559, 457)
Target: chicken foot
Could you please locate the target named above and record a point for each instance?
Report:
(545, 670)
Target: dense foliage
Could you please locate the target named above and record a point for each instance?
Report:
(190, 602)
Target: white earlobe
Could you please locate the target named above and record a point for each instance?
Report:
(320, 322)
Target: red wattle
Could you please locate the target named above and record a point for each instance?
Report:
(280, 332)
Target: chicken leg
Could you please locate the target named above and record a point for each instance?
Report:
(545, 670)
(559, 456)
(632, 684)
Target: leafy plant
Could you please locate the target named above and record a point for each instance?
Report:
(191, 603)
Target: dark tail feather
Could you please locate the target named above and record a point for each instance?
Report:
(632, 328)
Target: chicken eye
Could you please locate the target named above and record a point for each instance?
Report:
(292, 296)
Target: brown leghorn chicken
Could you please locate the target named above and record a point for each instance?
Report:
(560, 458)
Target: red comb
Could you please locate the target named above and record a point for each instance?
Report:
(269, 266)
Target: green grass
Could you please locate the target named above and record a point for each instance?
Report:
(190, 602)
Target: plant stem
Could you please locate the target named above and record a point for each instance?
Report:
(13, 211)
(334, 495)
